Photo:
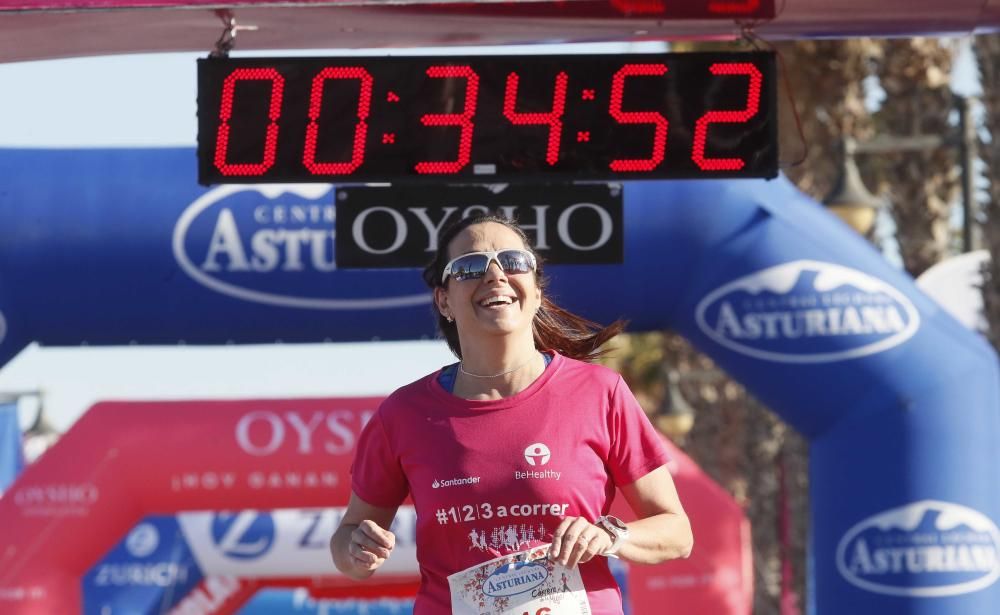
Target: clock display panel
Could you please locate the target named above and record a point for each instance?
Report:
(487, 118)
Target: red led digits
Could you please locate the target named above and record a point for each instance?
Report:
(360, 131)
(590, 117)
(463, 119)
(553, 118)
(638, 117)
(226, 113)
(733, 7)
(640, 7)
(726, 117)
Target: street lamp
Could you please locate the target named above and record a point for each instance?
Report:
(850, 199)
(854, 204)
(675, 416)
(41, 434)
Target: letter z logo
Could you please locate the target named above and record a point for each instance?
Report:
(244, 535)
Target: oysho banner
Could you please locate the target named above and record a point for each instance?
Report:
(398, 226)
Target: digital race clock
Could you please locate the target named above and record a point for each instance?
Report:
(487, 118)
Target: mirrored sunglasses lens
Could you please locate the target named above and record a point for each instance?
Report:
(515, 261)
(468, 267)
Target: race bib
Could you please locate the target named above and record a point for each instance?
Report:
(523, 583)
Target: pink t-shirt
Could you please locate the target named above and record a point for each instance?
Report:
(494, 477)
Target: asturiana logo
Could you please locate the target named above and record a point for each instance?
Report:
(270, 244)
(452, 482)
(923, 549)
(513, 579)
(807, 312)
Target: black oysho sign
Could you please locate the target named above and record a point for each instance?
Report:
(398, 226)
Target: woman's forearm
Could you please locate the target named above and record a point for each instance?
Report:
(657, 539)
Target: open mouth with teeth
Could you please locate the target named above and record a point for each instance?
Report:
(497, 301)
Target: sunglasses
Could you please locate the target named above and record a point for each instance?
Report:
(473, 265)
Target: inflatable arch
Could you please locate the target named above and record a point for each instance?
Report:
(216, 499)
(899, 401)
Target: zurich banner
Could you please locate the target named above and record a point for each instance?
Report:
(159, 566)
(900, 402)
(149, 571)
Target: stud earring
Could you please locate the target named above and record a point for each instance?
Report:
(449, 318)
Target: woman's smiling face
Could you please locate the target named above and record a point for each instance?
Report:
(496, 303)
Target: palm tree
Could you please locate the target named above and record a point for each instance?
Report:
(760, 460)
(922, 185)
(987, 49)
(828, 82)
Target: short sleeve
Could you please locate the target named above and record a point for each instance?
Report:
(636, 447)
(376, 476)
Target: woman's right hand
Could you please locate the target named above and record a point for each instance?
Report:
(362, 541)
(370, 545)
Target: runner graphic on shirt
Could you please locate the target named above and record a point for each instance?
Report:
(505, 537)
(478, 540)
(510, 538)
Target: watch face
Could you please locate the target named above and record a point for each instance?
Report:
(616, 523)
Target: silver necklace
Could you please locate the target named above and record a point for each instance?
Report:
(461, 368)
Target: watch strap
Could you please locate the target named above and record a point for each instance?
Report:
(615, 528)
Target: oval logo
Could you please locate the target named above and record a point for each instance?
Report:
(513, 579)
(807, 312)
(924, 549)
(243, 535)
(274, 244)
(142, 540)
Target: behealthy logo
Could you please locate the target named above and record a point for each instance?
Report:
(269, 244)
(537, 454)
(924, 549)
(807, 312)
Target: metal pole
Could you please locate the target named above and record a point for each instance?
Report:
(967, 147)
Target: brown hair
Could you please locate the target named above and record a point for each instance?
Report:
(554, 328)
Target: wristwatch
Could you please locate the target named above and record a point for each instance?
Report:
(618, 531)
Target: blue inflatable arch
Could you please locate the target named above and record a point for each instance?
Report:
(899, 401)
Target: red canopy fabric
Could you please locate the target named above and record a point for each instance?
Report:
(39, 29)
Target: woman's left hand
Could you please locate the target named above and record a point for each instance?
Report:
(577, 540)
